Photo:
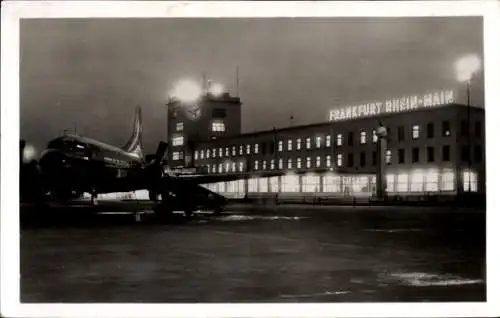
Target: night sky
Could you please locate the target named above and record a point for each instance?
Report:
(94, 72)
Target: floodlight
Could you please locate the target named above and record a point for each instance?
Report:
(216, 89)
(466, 67)
(186, 91)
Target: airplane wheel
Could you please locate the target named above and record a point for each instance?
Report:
(188, 213)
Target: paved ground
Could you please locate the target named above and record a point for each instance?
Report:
(259, 254)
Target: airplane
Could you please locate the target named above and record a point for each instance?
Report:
(73, 164)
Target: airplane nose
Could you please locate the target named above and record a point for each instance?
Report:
(52, 161)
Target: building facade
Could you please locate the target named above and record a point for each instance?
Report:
(437, 150)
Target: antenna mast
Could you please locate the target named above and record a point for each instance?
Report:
(238, 81)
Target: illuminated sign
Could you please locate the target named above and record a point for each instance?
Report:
(395, 105)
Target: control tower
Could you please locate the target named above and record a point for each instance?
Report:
(196, 115)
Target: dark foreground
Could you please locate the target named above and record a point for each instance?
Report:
(259, 254)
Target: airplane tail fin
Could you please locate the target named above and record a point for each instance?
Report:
(134, 144)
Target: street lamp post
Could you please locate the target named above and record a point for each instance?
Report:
(466, 68)
(381, 150)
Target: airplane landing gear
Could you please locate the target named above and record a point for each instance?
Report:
(93, 197)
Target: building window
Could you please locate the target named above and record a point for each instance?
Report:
(218, 126)
(350, 138)
(390, 182)
(308, 162)
(256, 148)
(176, 155)
(241, 150)
(415, 155)
(271, 165)
(331, 184)
(299, 163)
(280, 164)
(214, 152)
(478, 154)
(214, 168)
(280, 145)
(430, 130)
(415, 131)
(311, 184)
(264, 165)
(290, 184)
(350, 160)
(447, 181)
(299, 142)
(318, 142)
(362, 137)
(339, 139)
(432, 181)
(328, 161)
(318, 161)
(220, 152)
(263, 186)
(478, 129)
(233, 151)
(339, 160)
(248, 149)
(362, 159)
(446, 129)
(227, 151)
(274, 184)
(233, 166)
(328, 141)
(465, 153)
(470, 181)
(401, 133)
(388, 157)
(374, 136)
(289, 144)
(179, 126)
(220, 167)
(430, 154)
(446, 153)
(253, 185)
(308, 143)
(202, 154)
(178, 141)
(417, 181)
(208, 153)
(227, 167)
(402, 183)
(374, 158)
(289, 163)
(401, 156)
(196, 155)
(256, 165)
(240, 166)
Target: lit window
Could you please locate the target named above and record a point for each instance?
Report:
(415, 131)
(311, 184)
(253, 185)
(388, 156)
(280, 164)
(248, 149)
(227, 151)
(218, 126)
(432, 181)
(179, 126)
(240, 166)
(227, 167)
(274, 184)
(299, 142)
(214, 168)
(196, 155)
(220, 167)
(339, 139)
(374, 136)
(220, 152)
(402, 183)
(271, 165)
(448, 181)
(178, 141)
(289, 144)
(331, 184)
(256, 148)
(299, 163)
(233, 166)
(214, 153)
(318, 161)
(328, 161)
(280, 145)
(289, 163)
(362, 138)
(390, 182)
(308, 162)
(470, 181)
(202, 154)
(328, 141)
(290, 183)
(308, 143)
(176, 155)
(417, 181)
(339, 160)
(318, 142)
(264, 165)
(263, 187)
(233, 151)
(256, 165)
(241, 150)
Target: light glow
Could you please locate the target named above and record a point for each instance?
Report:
(29, 153)
(466, 67)
(216, 89)
(186, 91)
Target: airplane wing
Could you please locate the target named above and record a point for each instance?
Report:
(213, 178)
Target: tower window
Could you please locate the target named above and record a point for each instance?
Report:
(415, 131)
(218, 126)
(328, 141)
(179, 126)
(339, 139)
(362, 137)
(256, 148)
(280, 145)
(178, 141)
(374, 136)
(388, 157)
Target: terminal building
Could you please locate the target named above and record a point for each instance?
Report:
(435, 146)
